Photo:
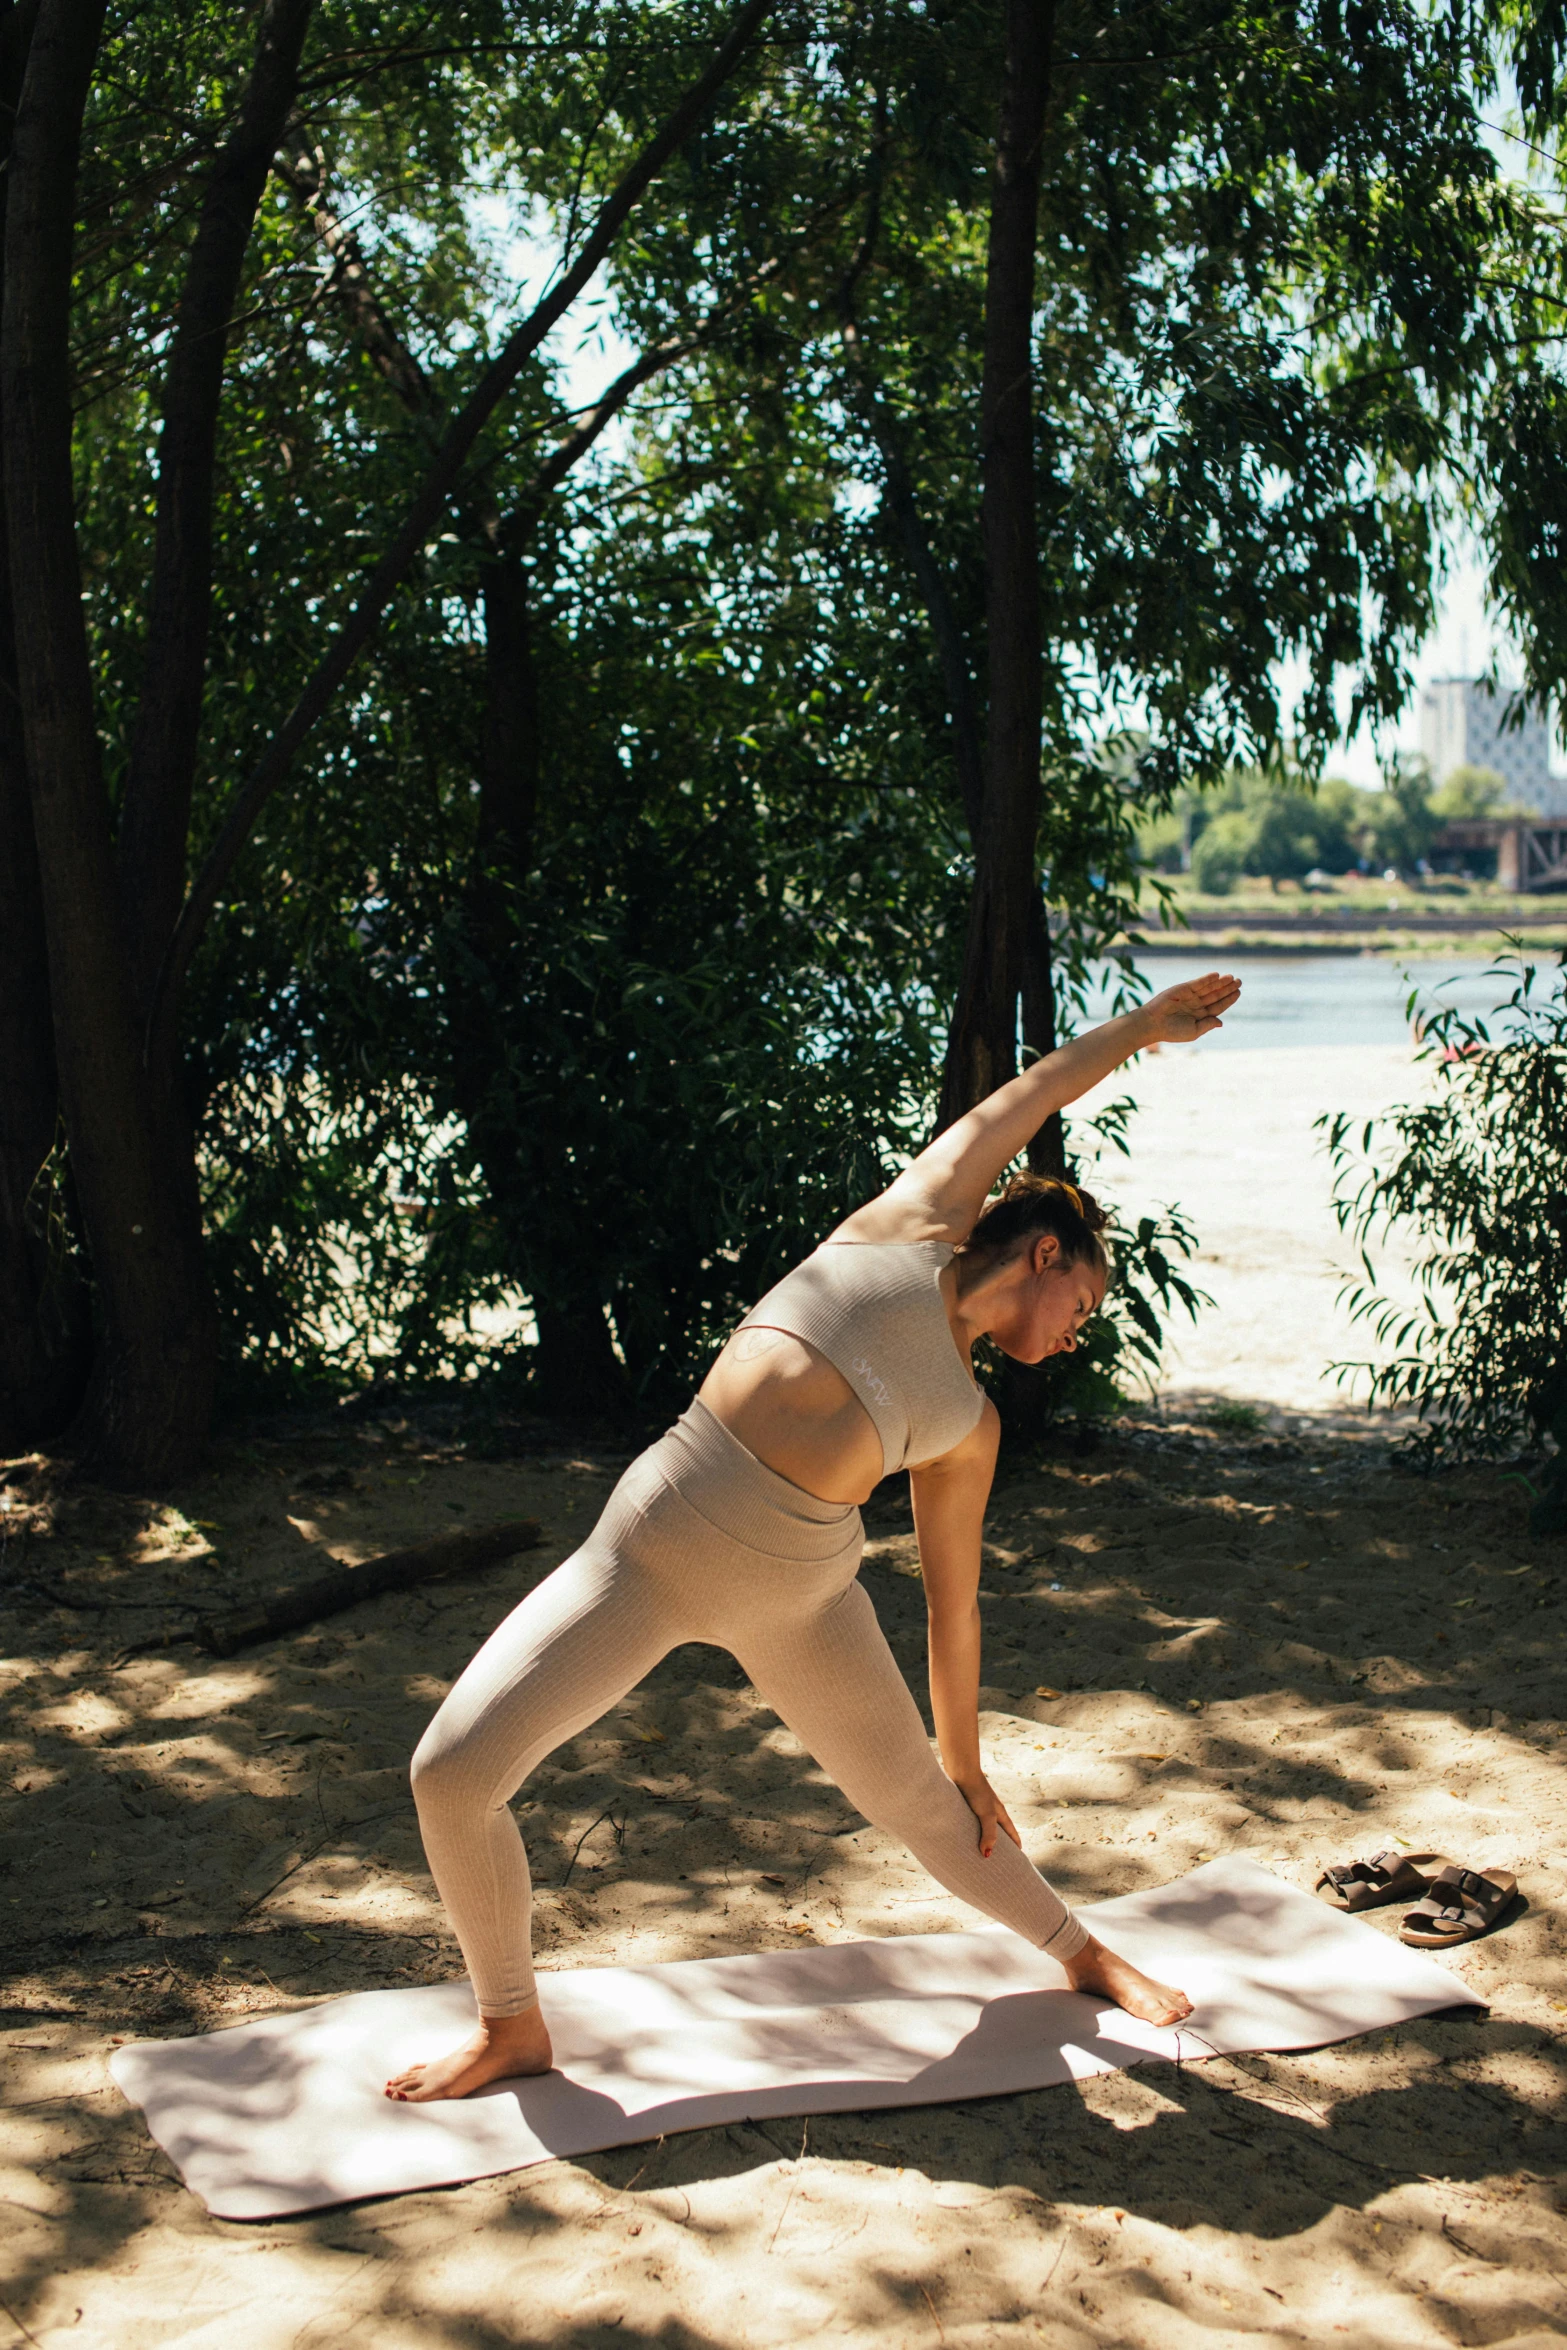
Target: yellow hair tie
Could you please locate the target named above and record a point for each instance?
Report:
(1074, 1195)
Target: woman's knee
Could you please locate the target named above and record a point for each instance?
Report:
(479, 1760)
(447, 1766)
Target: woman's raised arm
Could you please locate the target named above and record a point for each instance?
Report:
(940, 1194)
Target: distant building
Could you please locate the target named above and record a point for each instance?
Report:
(1462, 725)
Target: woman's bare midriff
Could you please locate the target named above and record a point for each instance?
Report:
(796, 1414)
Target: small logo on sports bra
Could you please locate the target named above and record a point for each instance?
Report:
(878, 1387)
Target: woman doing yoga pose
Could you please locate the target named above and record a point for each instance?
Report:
(741, 1528)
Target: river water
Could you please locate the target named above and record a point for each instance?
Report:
(1325, 999)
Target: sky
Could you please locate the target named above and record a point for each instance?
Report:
(1461, 644)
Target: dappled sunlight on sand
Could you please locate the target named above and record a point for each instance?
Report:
(1276, 1647)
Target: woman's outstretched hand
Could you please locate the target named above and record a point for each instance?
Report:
(1179, 1015)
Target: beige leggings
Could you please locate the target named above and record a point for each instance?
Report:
(698, 1542)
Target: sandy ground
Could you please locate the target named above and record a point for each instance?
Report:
(1277, 1645)
(1230, 1137)
(1197, 1641)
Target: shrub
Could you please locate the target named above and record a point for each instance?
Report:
(1478, 1175)
(1234, 1419)
(1401, 825)
(1220, 851)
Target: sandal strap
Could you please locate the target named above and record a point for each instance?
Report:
(1431, 1907)
(1459, 1897)
(1378, 1871)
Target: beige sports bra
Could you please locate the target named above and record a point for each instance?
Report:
(874, 1309)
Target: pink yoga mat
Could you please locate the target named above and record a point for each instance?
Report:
(285, 2114)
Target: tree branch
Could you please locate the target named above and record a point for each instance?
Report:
(155, 815)
(903, 504)
(432, 496)
(302, 168)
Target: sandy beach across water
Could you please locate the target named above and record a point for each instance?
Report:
(1231, 1138)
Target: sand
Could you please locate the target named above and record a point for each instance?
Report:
(1281, 1647)
(1275, 1643)
(1230, 1137)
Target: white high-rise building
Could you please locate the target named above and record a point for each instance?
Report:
(1462, 725)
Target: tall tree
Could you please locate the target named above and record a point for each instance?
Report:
(461, 1006)
(982, 1047)
(485, 976)
(154, 816)
(119, 943)
(1200, 175)
(45, 1333)
(1514, 484)
(153, 1367)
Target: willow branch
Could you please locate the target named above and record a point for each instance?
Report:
(437, 487)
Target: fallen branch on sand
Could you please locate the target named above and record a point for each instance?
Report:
(395, 1570)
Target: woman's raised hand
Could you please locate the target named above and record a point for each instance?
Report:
(1179, 1015)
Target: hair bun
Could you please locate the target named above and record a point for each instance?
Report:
(1029, 1203)
(1028, 1186)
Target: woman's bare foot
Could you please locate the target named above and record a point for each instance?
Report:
(502, 2049)
(1097, 1969)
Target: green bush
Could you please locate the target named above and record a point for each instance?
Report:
(1467, 793)
(1477, 1177)
(1221, 850)
(1234, 1419)
(1400, 824)
(1268, 823)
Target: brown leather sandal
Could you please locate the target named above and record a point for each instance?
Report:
(1460, 1904)
(1386, 1876)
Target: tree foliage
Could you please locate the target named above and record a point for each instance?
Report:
(1474, 1179)
(1271, 822)
(595, 949)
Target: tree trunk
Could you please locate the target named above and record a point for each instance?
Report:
(903, 506)
(509, 774)
(45, 1328)
(957, 676)
(580, 1375)
(149, 1399)
(579, 1372)
(1028, 1390)
(45, 1323)
(1047, 1151)
(982, 1046)
(155, 816)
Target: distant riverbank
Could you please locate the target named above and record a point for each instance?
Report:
(1330, 932)
(1359, 915)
